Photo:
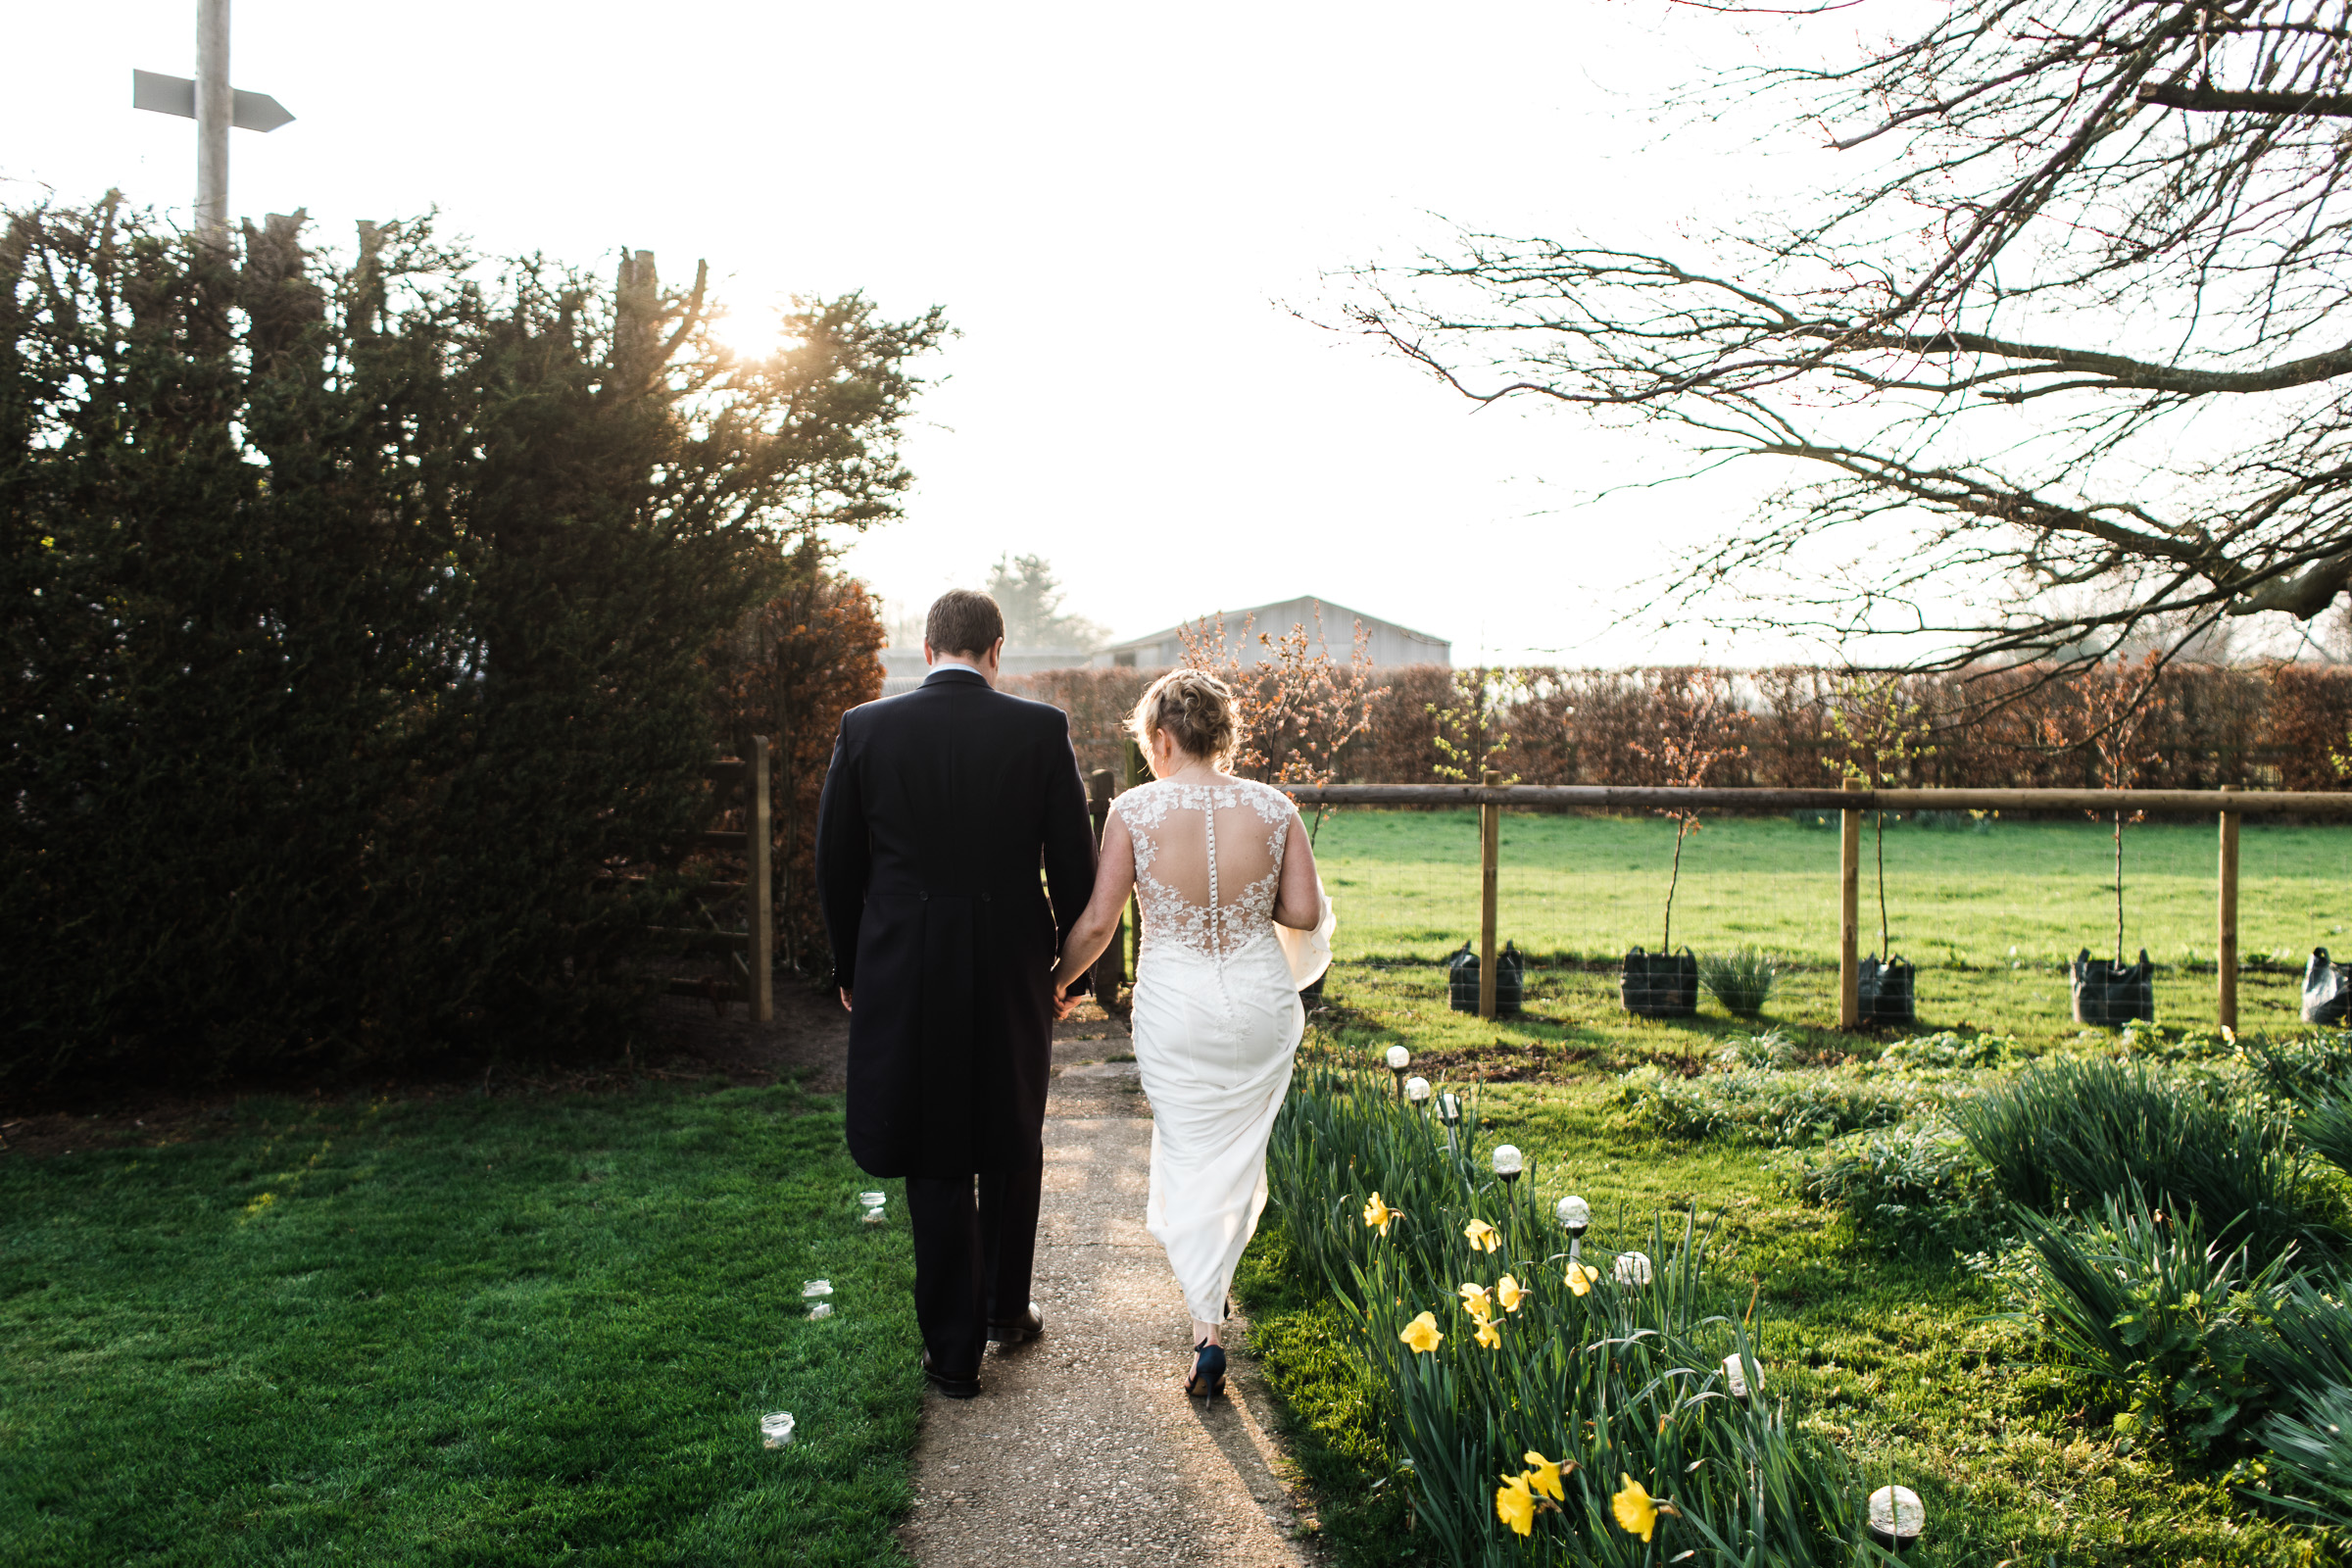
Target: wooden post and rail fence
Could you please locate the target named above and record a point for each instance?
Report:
(2229, 806)
(751, 949)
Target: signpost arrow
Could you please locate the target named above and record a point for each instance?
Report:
(177, 95)
(209, 102)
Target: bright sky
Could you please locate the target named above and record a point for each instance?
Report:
(1121, 208)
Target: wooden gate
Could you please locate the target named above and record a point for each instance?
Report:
(748, 953)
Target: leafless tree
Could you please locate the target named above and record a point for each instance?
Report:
(1699, 722)
(2118, 702)
(2063, 325)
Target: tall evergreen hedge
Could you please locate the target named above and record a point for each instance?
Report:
(356, 633)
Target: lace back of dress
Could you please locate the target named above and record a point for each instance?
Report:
(1208, 861)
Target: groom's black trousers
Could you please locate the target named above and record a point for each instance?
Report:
(972, 1258)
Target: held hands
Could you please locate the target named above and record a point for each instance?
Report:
(1064, 976)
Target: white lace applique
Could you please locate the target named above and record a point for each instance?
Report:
(1172, 825)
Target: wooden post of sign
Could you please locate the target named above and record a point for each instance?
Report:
(1110, 968)
(1490, 855)
(759, 890)
(2225, 937)
(1850, 916)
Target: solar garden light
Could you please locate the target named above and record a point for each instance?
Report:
(1897, 1518)
(1633, 1268)
(1735, 1376)
(1416, 1089)
(1507, 1163)
(1449, 1112)
(1576, 1217)
(1400, 1058)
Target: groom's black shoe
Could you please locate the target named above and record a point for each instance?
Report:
(952, 1388)
(1012, 1331)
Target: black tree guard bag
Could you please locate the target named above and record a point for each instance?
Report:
(1462, 980)
(1660, 985)
(2107, 992)
(1888, 994)
(2327, 990)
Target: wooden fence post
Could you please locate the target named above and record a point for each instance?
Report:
(1850, 916)
(1490, 855)
(759, 888)
(2225, 944)
(1110, 968)
(1139, 772)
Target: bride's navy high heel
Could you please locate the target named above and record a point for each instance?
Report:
(1208, 1371)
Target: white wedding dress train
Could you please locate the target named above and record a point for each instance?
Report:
(1216, 1014)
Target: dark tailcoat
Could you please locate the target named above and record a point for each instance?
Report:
(939, 807)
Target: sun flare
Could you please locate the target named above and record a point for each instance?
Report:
(752, 335)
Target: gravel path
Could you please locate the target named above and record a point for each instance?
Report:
(1082, 1447)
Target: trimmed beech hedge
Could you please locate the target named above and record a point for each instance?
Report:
(2257, 726)
(358, 628)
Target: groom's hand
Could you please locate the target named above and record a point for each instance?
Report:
(845, 999)
(1063, 1005)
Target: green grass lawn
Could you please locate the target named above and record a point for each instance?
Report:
(507, 1331)
(1405, 886)
(1894, 1359)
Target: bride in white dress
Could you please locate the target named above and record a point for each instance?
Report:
(1217, 864)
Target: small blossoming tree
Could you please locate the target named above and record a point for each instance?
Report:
(1299, 707)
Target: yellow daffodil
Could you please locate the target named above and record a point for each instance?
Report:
(1581, 1279)
(1489, 1335)
(1514, 1504)
(1422, 1333)
(1636, 1509)
(1377, 1214)
(1508, 1293)
(1476, 1303)
(1544, 1474)
(1483, 1236)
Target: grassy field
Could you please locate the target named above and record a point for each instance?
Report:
(465, 1331)
(1899, 1360)
(1990, 919)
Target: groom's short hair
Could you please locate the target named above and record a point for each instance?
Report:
(964, 622)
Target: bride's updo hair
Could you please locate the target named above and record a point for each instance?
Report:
(1194, 710)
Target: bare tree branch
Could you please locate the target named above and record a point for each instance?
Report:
(2054, 336)
(2217, 100)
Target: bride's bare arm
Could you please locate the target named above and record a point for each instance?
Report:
(1298, 902)
(1115, 882)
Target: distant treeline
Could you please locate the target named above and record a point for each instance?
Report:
(2270, 726)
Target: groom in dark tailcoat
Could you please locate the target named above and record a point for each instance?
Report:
(939, 808)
